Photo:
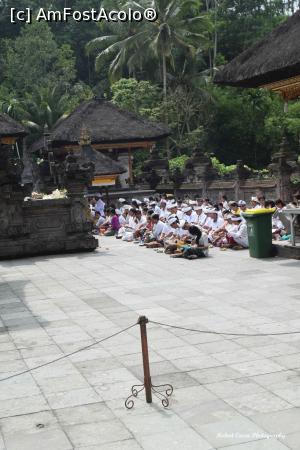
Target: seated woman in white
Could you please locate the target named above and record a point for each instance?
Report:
(239, 236)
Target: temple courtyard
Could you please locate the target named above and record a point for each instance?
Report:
(230, 392)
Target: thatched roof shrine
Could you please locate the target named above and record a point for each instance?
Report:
(9, 128)
(104, 165)
(272, 63)
(109, 126)
(106, 169)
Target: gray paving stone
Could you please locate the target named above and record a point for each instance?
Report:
(95, 412)
(292, 441)
(24, 386)
(97, 433)
(72, 398)
(284, 422)
(230, 432)
(263, 444)
(258, 367)
(46, 439)
(235, 388)
(149, 424)
(291, 394)
(262, 402)
(129, 444)
(186, 439)
(23, 405)
(279, 380)
(215, 374)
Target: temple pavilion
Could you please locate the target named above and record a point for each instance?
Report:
(273, 63)
(113, 131)
(10, 130)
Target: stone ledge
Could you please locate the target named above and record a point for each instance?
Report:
(285, 250)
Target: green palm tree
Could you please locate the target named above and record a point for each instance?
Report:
(177, 28)
(44, 108)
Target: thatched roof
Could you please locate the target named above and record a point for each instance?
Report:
(10, 128)
(104, 165)
(106, 123)
(274, 58)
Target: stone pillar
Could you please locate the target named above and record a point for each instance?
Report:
(241, 174)
(284, 163)
(123, 178)
(199, 169)
(155, 170)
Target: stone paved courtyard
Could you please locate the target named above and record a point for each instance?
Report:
(234, 393)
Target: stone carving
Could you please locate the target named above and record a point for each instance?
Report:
(152, 178)
(43, 226)
(77, 176)
(155, 170)
(198, 167)
(284, 164)
(177, 178)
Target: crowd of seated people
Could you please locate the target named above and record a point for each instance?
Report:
(183, 227)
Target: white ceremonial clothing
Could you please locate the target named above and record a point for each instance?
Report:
(193, 218)
(99, 207)
(166, 229)
(123, 220)
(214, 225)
(132, 223)
(179, 233)
(241, 235)
(180, 214)
(164, 213)
(201, 219)
(157, 229)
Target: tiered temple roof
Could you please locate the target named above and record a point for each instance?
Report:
(272, 63)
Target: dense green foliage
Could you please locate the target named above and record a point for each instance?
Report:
(162, 70)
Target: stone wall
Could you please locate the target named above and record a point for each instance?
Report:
(200, 178)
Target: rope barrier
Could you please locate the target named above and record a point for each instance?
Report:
(220, 333)
(193, 330)
(68, 354)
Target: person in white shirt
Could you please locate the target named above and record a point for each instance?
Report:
(189, 215)
(158, 226)
(123, 218)
(164, 213)
(255, 203)
(141, 222)
(177, 234)
(214, 221)
(100, 206)
(262, 202)
(243, 207)
(224, 202)
(166, 232)
(239, 236)
(198, 247)
(280, 205)
(199, 201)
(201, 217)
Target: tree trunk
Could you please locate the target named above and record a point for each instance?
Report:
(164, 76)
(215, 39)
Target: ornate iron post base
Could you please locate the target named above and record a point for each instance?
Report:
(163, 395)
(162, 392)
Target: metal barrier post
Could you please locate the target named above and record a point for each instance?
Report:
(148, 386)
(147, 377)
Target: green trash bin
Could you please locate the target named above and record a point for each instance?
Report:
(259, 225)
